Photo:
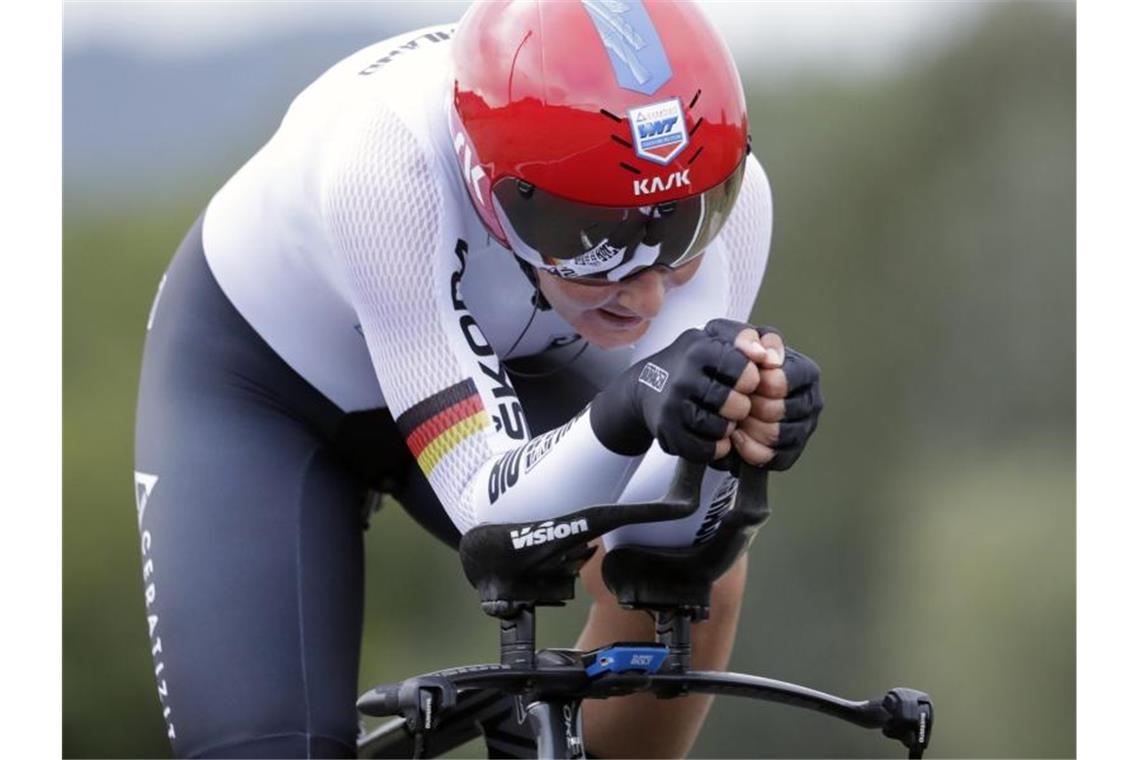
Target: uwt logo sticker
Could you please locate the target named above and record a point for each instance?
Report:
(659, 132)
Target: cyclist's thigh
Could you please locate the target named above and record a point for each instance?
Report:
(251, 537)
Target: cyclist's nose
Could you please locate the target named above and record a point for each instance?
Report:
(643, 294)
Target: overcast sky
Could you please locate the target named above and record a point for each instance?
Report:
(854, 37)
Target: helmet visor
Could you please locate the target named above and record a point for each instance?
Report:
(605, 243)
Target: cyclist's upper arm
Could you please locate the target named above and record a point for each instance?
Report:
(394, 222)
(746, 238)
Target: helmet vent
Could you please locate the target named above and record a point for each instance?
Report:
(694, 158)
(617, 139)
(627, 167)
(696, 126)
(693, 102)
(604, 112)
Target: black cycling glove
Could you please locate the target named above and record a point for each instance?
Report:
(673, 396)
(802, 407)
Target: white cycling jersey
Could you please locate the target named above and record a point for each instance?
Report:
(348, 242)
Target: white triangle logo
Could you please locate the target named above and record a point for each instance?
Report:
(144, 484)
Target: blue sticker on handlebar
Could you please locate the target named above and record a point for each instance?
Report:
(623, 659)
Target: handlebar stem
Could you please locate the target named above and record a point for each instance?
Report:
(516, 639)
(674, 630)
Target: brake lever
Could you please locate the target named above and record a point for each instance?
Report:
(911, 719)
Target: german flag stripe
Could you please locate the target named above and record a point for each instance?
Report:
(417, 415)
(435, 450)
(437, 424)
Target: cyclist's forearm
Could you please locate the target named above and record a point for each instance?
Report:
(543, 478)
(676, 722)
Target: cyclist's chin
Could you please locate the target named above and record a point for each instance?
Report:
(607, 330)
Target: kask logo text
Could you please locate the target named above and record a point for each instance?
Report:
(651, 185)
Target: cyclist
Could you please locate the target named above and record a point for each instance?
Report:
(561, 188)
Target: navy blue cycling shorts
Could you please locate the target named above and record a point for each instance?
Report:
(251, 490)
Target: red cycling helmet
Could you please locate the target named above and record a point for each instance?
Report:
(598, 137)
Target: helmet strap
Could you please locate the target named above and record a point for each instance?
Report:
(538, 300)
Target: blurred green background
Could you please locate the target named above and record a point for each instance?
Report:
(923, 253)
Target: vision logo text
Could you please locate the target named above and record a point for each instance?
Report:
(529, 536)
